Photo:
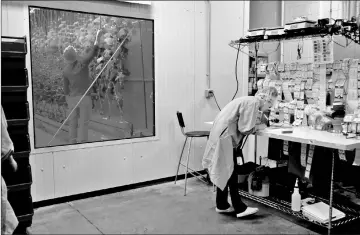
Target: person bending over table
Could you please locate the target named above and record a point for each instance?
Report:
(232, 124)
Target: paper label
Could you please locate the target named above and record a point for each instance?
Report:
(353, 83)
(337, 65)
(297, 122)
(303, 155)
(302, 95)
(286, 148)
(286, 118)
(354, 63)
(272, 83)
(352, 94)
(339, 93)
(323, 50)
(293, 66)
(309, 161)
(309, 84)
(322, 97)
(353, 73)
(301, 114)
(342, 155)
(300, 104)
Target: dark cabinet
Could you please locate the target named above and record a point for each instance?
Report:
(14, 85)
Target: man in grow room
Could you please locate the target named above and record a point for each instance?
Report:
(231, 125)
(76, 82)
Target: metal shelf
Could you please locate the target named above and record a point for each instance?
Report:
(284, 206)
(18, 122)
(277, 39)
(14, 47)
(295, 34)
(14, 80)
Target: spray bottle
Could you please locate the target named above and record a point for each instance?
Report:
(296, 198)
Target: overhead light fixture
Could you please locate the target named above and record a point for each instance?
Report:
(138, 2)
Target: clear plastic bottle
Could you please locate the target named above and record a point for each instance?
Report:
(296, 198)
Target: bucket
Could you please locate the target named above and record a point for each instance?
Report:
(243, 171)
(263, 192)
(259, 183)
(242, 178)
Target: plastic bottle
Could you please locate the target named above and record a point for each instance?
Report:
(296, 198)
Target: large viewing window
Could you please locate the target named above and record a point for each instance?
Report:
(83, 96)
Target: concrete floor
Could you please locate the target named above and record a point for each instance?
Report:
(157, 209)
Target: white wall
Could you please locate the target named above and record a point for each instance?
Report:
(293, 9)
(180, 81)
(315, 10)
(267, 14)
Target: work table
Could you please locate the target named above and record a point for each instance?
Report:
(307, 135)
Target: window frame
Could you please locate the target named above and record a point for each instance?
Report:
(76, 7)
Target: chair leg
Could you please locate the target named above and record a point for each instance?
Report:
(177, 172)
(187, 164)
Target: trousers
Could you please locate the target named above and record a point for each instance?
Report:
(232, 186)
(79, 119)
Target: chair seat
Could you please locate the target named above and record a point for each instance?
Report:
(197, 133)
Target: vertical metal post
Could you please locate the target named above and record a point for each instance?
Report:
(187, 165)
(256, 60)
(331, 189)
(255, 148)
(256, 68)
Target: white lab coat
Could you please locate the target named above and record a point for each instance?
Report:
(237, 119)
(9, 220)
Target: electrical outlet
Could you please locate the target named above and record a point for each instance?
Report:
(209, 93)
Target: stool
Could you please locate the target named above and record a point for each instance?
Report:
(191, 135)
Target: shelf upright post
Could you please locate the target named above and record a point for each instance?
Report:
(256, 69)
(331, 189)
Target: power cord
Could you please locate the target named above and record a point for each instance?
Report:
(269, 53)
(236, 77)
(216, 103)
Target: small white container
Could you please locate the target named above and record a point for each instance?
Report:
(300, 25)
(296, 198)
(256, 32)
(275, 31)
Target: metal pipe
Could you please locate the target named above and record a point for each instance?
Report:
(331, 189)
(330, 12)
(209, 45)
(282, 23)
(352, 9)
